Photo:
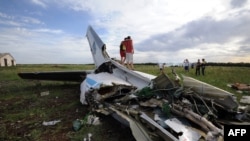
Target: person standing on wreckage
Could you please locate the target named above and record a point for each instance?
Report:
(129, 52)
(123, 51)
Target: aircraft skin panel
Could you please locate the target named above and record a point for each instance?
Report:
(149, 76)
(97, 47)
(105, 79)
(204, 88)
(139, 74)
(133, 77)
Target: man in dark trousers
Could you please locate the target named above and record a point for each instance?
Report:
(198, 66)
(203, 66)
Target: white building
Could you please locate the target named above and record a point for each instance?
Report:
(7, 60)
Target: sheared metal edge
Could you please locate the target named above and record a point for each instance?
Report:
(168, 135)
(204, 88)
(137, 130)
(178, 127)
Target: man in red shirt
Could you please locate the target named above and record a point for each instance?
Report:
(129, 52)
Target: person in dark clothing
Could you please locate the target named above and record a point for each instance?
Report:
(123, 51)
(203, 66)
(198, 66)
(186, 65)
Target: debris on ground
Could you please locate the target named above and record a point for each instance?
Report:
(241, 86)
(93, 120)
(88, 138)
(51, 122)
(245, 100)
(44, 93)
(88, 120)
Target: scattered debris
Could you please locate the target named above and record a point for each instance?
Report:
(93, 120)
(77, 124)
(44, 93)
(88, 120)
(241, 86)
(245, 100)
(88, 138)
(51, 122)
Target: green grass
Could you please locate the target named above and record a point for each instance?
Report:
(221, 76)
(23, 109)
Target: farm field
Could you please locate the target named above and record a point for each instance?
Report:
(23, 108)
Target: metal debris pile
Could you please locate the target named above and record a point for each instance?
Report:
(192, 111)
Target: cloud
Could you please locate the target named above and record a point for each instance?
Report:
(29, 46)
(39, 3)
(161, 30)
(167, 30)
(204, 36)
(3, 15)
(18, 20)
(238, 3)
(30, 20)
(53, 31)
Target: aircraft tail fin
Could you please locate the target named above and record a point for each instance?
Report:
(98, 48)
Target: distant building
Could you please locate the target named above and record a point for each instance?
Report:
(6, 60)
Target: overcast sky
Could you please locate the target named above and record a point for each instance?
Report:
(54, 31)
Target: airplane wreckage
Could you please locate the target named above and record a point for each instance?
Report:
(154, 107)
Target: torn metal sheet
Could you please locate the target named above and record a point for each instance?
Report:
(166, 135)
(152, 103)
(204, 89)
(245, 100)
(163, 82)
(209, 91)
(103, 85)
(185, 133)
(138, 130)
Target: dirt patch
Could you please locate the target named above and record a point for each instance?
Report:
(22, 115)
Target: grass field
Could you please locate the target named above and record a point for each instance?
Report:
(23, 109)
